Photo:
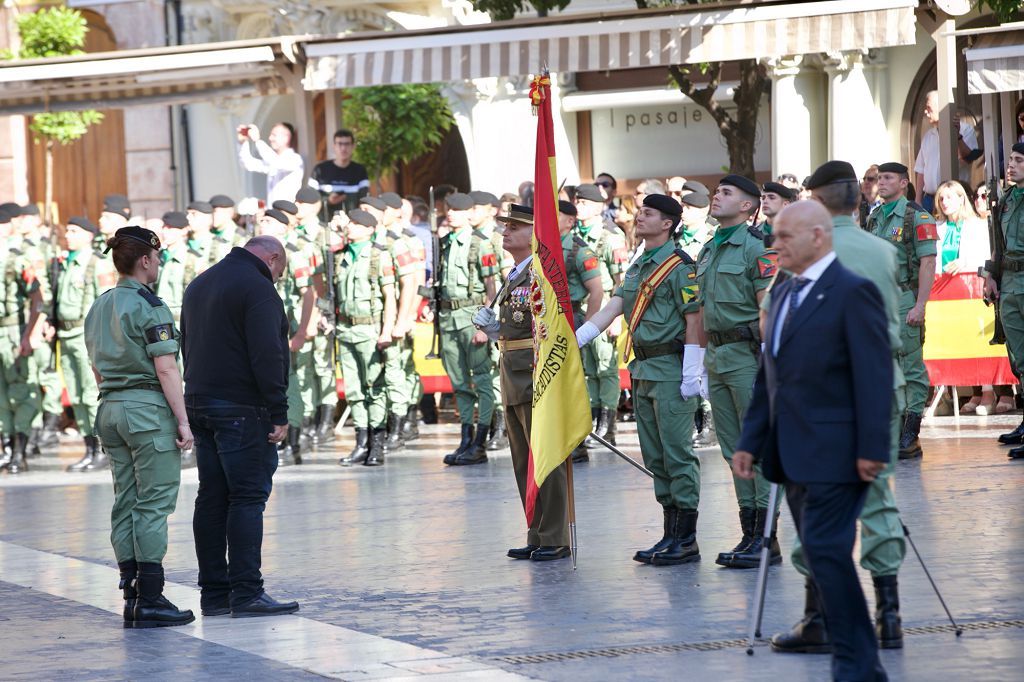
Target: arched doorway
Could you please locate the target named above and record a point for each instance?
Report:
(445, 165)
(93, 166)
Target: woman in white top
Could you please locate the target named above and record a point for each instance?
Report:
(276, 158)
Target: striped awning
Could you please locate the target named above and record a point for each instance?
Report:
(153, 76)
(995, 63)
(612, 41)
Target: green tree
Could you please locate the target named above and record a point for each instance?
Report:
(1005, 10)
(395, 124)
(54, 32)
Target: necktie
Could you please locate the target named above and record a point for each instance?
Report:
(794, 299)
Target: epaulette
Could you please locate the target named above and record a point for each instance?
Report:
(150, 297)
(579, 241)
(687, 258)
(15, 251)
(917, 207)
(479, 235)
(220, 238)
(292, 246)
(194, 252)
(409, 232)
(752, 229)
(380, 247)
(393, 235)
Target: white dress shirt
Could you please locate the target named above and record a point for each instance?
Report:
(520, 266)
(284, 171)
(812, 274)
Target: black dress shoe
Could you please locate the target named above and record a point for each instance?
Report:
(219, 608)
(1015, 437)
(522, 552)
(550, 553)
(264, 605)
(1016, 453)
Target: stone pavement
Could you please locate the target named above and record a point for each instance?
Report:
(401, 574)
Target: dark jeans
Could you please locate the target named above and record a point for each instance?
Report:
(825, 515)
(236, 467)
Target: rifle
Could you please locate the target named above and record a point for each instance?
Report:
(332, 337)
(433, 292)
(994, 267)
(54, 280)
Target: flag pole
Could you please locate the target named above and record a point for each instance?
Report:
(572, 510)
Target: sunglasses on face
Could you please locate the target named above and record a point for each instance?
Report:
(870, 178)
(603, 183)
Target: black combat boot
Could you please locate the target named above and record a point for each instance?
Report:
(888, 624)
(684, 547)
(99, 459)
(747, 517)
(644, 555)
(325, 425)
(750, 556)
(360, 451)
(91, 446)
(7, 454)
(411, 424)
(1016, 453)
(625, 411)
(809, 636)
(580, 454)
(18, 463)
(129, 571)
(910, 445)
(467, 440)
(377, 448)
(51, 430)
(499, 436)
(428, 408)
(1015, 437)
(393, 437)
(603, 417)
(609, 435)
(295, 443)
(476, 453)
(152, 609)
(34, 447)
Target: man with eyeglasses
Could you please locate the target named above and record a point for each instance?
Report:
(869, 199)
(340, 180)
(610, 186)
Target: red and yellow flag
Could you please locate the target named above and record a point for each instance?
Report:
(561, 409)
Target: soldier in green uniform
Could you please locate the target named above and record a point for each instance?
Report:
(547, 538)
(734, 270)
(200, 222)
(132, 345)
(468, 267)
(601, 358)
(367, 306)
(694, 230)
(774, 197)
(659, 299)
(583, 275)
(1004, 275)
(224, 234)
(76, 287)
(882, 544)
(170, 285)
(912, 230)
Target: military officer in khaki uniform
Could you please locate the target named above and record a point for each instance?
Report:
(912, 229)
(512, 327)
(659, 299)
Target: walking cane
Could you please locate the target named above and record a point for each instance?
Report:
(762, 572)
(621, 454)
(956, 628)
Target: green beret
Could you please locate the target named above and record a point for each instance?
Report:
(696, 199)
(361, 217)
(829, 173)
(786, 193)
(307, 195)
(663, 203)
(85, 224)
(459, 201)
(745, 185)
(285, 206)
(134, 233)
(694, 186)
(373, 202)
(175, 219)
(590, 192)
(485, 199)
(892, 167)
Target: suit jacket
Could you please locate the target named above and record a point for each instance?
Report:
(824, 400)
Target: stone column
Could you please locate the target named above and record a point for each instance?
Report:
(798, 116)
(856, 123)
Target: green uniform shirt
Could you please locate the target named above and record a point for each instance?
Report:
(361, 272)
(77, 288)
(220, 244)
(505, 260)
(581, 265)
(1011, 218)
(887, 222)
(665, 319)
(13, 290)
(610, 248)
(170, 283)
(692, 241)
(126, 328)
(462, 281)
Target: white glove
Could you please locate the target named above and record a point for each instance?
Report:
(705, 383)
(486, 320)
(587, 332)
(692, 370)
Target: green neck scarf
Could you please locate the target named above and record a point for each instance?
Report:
(648, 256)
(688, 234)
(356, 248)
(723, 234)
(888, 208)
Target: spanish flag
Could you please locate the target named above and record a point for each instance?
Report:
(957, 332)
(561, 409)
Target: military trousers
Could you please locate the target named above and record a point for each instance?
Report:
(496, 378)
(362, 368)
(48, 379)
(80, 382)
(303, 384)
(324, 381)
(1011, 313)
(550, 527)
(400, 386)
(19, 396)
(882, 543)
(730, 395)
(664, 424)
(468, 366)
(601, 367)
(911, 358)
(139, 438)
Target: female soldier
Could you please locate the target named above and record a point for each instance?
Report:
(141, 421)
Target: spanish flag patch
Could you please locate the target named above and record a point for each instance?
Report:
(767, 264)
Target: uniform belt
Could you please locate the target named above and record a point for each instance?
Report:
(515, 344)
(1012, 265)
(456, 303)
(9, 321)
(68, 325)
(357, 319)
(735, 335)
(657, 350)
(137, 387)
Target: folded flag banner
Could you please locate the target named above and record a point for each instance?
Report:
(561, 409)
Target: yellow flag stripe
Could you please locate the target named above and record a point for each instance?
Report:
(960, 329)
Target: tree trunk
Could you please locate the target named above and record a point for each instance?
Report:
(48, 184)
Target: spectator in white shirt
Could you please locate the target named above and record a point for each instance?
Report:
(276, 158)
(928, 175)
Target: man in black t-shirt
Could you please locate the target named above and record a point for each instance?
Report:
(341, 181)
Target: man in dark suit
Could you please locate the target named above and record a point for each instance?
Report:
(819, 418)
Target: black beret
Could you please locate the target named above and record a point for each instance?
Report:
(285, 206)
(663, 203)
(696, 199)
(85, 224)
(590, 192)
(745, 185)
(277, 215)
(134, 233)
(201, 206)
(1019, 148)
(10, 207)
(567, 207)
(695, 186)
(361, 217)
(29, 209)
(892, 167)
(517, 213)
(374, 202)
(391, 199)
(307, 195)
(485, 199)
(459, 201)
(221, 201)
(828, 173)
(6, 214)
(175, 219)
(786, 193)
(117, 203)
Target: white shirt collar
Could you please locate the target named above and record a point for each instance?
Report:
(520, 266)
(818, 267)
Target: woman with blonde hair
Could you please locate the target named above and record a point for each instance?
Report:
(963, 247)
